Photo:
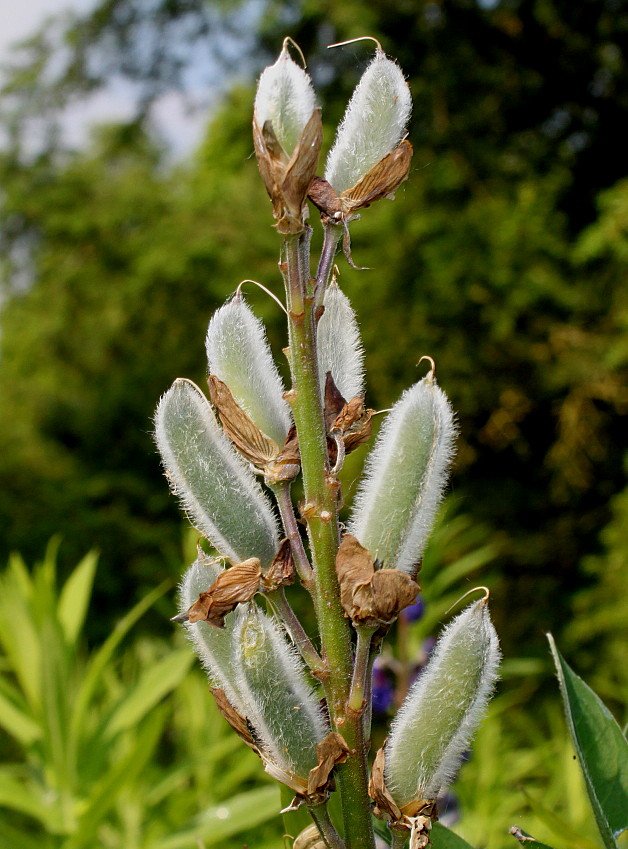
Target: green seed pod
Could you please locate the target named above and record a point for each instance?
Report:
(280, 703)
(339, 345)
(404, 477)
(286, 99)
(440, 714)
(239, 354)
(373, 125)
(214, 646)
(217, 490)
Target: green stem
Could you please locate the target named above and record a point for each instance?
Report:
(320, 815)
(320, 511)
(399, 839)
(289, 521)
(359, 683)
(331, 237)
(297, 634)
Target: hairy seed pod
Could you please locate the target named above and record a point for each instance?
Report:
(373, 125)
(339, 345)
(217, 491)
(280, 703)
(440, 714)
(214, 646)
(286, 99)
(239, 354)
(404, 477)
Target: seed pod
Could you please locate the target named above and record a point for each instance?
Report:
(404, 477)
(440, 714)
(287, 135)
(280, 703)
(373, 125)
(217, 491)
(238, 353)
(213, 646)
(339, 345)
(285, 98)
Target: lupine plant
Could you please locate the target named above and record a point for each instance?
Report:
(303, 702)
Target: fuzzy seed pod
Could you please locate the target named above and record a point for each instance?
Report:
(279, 701)
(286, 99)
(287, 135)
(405, 474)
(214, 646)
(217, 491)
(373, 125)
(440, 714)
(339, 345)
(239, 354)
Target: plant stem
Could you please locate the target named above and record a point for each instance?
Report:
(361, 668)
(399, 839)
(331, 237)
(320, 511)
(328, 832)
(297, 634)
(286, 511)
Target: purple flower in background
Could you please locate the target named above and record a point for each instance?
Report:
(415, 611)
(383, 690)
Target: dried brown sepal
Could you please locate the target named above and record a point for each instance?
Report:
(281, 571)
(416, 817)
(385, 806)
(250, 441)
(332, 750)
(234, 586)
(354, 423)
(235, 719)
(286, 465)
(324, 198)
(287, 179)
(380, 182)
(368, 596)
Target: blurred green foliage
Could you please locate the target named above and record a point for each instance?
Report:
(504, 257)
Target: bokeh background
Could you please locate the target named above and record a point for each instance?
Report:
(131, 208)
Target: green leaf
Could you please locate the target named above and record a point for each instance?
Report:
(242, 812)
(14, 718)
(20, 797)
(154, 684)
(75, 596)
(443, 838)
(98, 662)
(526, 839)
(601, 748)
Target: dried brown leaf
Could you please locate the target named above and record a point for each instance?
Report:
(250, 441)
(324, 197)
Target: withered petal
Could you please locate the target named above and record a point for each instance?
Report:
(385, 806)
(235, 719)
(236, 585)
(250, 441)
(332, 750)
(369, 596)
(281, 571)
(381, 181)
